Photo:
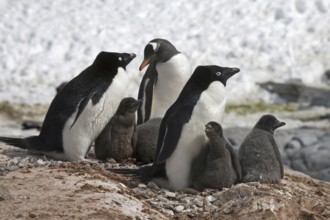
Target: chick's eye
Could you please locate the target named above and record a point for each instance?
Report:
(120, 59)
(218, 73)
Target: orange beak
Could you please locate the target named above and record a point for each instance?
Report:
(144, 63)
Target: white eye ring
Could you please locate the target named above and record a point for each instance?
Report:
(120, 59)
(218, 73)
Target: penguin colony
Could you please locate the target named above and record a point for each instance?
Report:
(173, 106)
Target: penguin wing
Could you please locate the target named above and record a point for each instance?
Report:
(170, 130)
(95, 95)
(278, 155)
(145, 94)
(234, 160)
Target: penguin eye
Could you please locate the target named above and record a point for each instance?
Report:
(218, 73)
(120, 59)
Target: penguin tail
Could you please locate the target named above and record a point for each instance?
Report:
(24, 143)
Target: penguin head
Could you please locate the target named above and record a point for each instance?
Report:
(269, 123)
(158, 50)
(129, 105)
(208, 74)
(213, 129)
(110, 61)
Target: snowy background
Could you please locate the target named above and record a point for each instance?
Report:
(43, 43)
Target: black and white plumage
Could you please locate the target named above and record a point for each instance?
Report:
(221, 166)
(81, 110)
(118, 138)
(259, 156)
(166, 75)
(181, 134)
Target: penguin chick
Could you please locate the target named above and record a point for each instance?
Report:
(222, 168)
(118, 138)
(259, 156)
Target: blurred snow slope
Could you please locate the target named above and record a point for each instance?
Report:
(46, 42)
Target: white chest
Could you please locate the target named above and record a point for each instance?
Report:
(78, 138)
(210, 107)
(172, 76)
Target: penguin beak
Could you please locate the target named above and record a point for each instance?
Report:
(145, 62)
(129, 58)
(137, 103)
(230, 72)
(208, 128)
(279, 124)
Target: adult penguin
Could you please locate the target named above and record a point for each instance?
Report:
(166, 75)
(81, 110)
(181, 135)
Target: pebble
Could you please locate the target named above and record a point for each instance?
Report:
(141, 185)
(198, 201)
(153, 185)
(170, 194)
(40, 162)
(179, 208)
(211, 198)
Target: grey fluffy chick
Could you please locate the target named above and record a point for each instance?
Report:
(118, 139)
(259, 155)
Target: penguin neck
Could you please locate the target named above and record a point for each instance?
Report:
(104, 74)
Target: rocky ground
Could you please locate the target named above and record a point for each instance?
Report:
(35, 187)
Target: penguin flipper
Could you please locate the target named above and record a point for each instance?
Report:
(95, 95)
(146, 94)
(171, 131)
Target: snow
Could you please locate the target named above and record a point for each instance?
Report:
(43, 43)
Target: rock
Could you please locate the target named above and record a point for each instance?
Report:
(170, 194)
(305, 96)
(153, 185)
(4, 193)
(40, 162)
(179, 208)
(198, 201)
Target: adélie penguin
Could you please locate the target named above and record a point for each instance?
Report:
(81, 110)
(166, 75)
(259, 156)
(181, 135)
(221, 166)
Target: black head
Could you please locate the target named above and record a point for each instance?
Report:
(204, 75)
(158, 50)
(213, 129)
(129, 105)
(269, 123)
(112, 61)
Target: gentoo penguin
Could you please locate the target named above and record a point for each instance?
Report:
(222, 168)
(259, 156)
(167, 73)
(181, 137)
(81, 110)
(118, 138)
(147, 136)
